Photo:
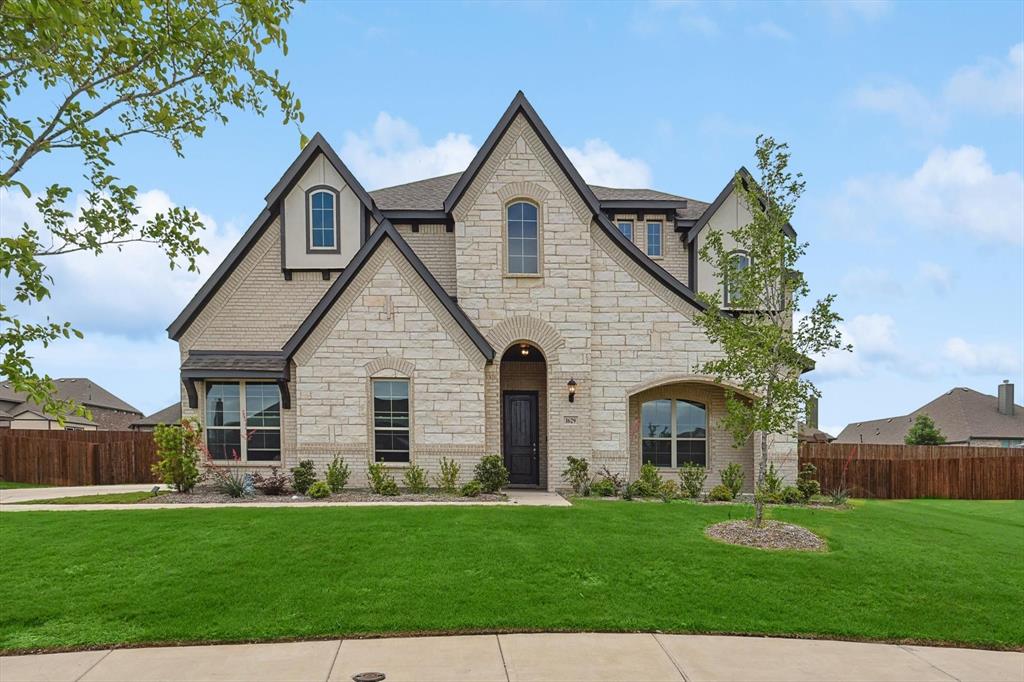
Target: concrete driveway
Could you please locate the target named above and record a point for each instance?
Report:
(528, 657)
(17, 495)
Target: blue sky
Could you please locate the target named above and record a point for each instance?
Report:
(906, 120)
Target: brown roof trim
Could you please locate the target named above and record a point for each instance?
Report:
(720, 199)
(316, 145)
(385, 231)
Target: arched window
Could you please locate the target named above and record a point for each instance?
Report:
(740, 260)
(523, 239)
(323, 223)
(673, 432)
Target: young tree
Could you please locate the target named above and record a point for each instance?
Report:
(113, 71)
(924, 432)
(763, 348)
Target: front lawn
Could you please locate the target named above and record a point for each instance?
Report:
(926, 570)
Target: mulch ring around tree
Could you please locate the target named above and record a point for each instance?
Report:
(771, 535)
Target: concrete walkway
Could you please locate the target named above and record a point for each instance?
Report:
(10, 499)
(506, 658)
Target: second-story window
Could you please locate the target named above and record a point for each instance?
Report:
(523, 240)
(626, 228)
(654, 240)
(322, 220)
(740, 260)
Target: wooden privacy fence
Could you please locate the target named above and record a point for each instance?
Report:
(76, 457)
(909, 471)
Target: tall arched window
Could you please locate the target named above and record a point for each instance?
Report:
(323, 222)
(523, 239)
(740, 260)
(673, 432)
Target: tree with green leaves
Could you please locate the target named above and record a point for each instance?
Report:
(924, 432)
(110, 71)
(765, 342)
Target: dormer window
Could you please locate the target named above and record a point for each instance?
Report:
(322, 212)
(523, 239)
(740, 260)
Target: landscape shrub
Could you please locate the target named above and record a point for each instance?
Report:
(807, 482)
(617, 481)
(603, 487)
(668, 491)
(491, 473)
(771, 491)
(720, 493)
(274, 484)
(649, 482)
(472, 489)
(415, 479)
(319, 490)
(381, 482)
(337, 475)
(177, 446)
(691, 479)
(839, 496)
(303, 476)
(233, 483)
(792, 495)
(577, 474)
(448, 478)
(732, 478)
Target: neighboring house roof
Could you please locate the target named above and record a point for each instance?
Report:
(30, 410)
(960, 414)
(316, 145)
(385, 231)
(81, 390)
(169, 415)
(810, 434)
(720, 199)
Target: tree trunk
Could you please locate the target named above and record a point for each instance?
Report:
(762, 469)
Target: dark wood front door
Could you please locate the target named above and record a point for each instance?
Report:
(520, 437)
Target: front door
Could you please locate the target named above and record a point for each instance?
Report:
(520, 437)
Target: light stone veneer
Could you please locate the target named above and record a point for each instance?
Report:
(595, 314)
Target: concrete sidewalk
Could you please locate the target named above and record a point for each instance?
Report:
(506, 658)
(10, 499)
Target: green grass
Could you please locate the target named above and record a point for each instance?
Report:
(105, 498)
(12, 485)
(938, 571)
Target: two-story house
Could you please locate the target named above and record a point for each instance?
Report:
(511, 308)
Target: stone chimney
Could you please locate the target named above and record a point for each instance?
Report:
(812, 413)
(1006, 398)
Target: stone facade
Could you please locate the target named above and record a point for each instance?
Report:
(596, 316)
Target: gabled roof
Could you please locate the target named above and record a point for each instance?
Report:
(384, 231)
(720, 199)
(520, 105)
(79, 389)
(169, 415)
(960, 414)
(317, 145)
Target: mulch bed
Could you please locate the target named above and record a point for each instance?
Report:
(203, 495)
(771, 535)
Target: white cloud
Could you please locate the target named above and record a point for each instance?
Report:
(128, 291)
(993, 85)
(688, 15)
(903, 101)
(600, 164)
(874, 343)
(938, 278)
(392, 153)
(980, 358)
(952, 191)
(769, 29)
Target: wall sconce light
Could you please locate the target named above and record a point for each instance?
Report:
(572, 390)
(524, 349)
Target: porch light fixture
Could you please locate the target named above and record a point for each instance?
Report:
(524, 349)
(572, 390)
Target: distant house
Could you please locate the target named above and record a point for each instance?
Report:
(169, 415)
(812, 434)
(964, 416)
(109, 412)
